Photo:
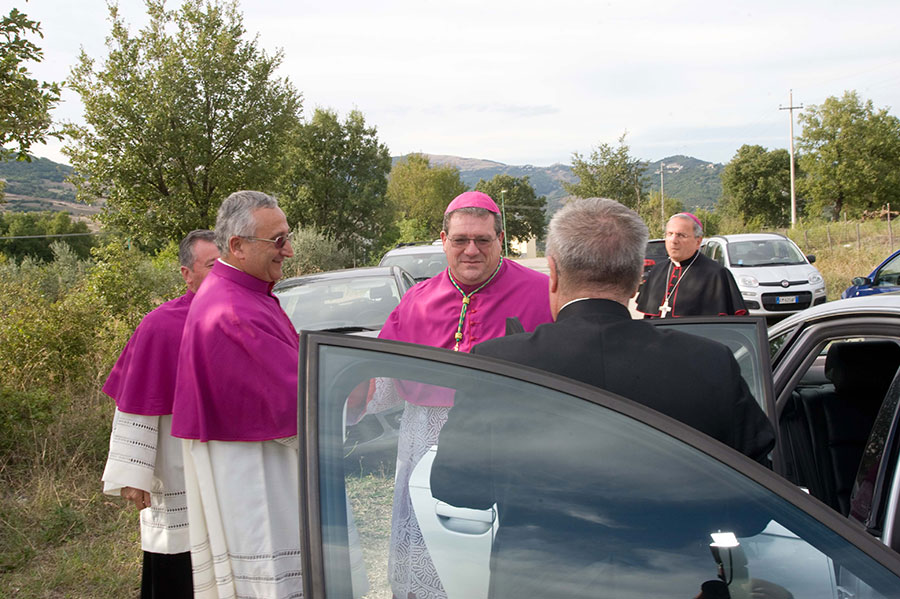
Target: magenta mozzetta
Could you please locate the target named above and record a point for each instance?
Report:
(237, 325)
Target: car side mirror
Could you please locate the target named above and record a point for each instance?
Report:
(861, 281)
(811, 258)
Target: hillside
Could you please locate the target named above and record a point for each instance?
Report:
(40, 184)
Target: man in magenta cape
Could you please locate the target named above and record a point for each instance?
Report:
(236, 409)
(144, 464)
(688, 283)
(466, 304)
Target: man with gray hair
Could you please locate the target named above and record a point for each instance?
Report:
(144, 464)
(236, 409)
(595, 252)
(688, 283)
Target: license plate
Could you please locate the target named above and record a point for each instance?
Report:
(787, 299)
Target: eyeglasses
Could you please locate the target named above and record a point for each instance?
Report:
(480, 242)
(278, 241)
(681, 236)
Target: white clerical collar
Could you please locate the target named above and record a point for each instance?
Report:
(228, 265)
(580, 299)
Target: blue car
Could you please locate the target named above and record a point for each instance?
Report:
(883, 279)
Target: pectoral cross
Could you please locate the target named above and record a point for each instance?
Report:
(664, 309)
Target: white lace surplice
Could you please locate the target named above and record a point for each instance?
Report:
(144, 455)
(411, 570)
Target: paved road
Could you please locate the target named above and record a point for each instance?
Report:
(540, 264)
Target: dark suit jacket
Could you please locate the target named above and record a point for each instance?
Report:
(543, 465)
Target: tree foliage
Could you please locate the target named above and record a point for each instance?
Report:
(334, 179)
(652, 213)
(420, 194)
(31, 226)
(610, 173)
(25, 103)
(756, 186)
(524, 211)
(850, 154)
(178, 116)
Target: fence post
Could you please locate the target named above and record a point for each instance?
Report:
(828, 234)
(890, 230)
(806, 239)
(858, 243)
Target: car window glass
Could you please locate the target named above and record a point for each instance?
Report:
(743, 337)
(420, 266)
(765, 252)
(870, 494)
(533, 492)
(889, 274)
(328, 303)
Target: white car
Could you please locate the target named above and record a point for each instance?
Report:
(774, 276)
(422, 261)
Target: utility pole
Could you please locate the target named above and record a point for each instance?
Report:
(503, 218)
(662, 194)
(791, 108)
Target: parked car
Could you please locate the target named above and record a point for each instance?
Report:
(656, 252)
(886, 277)
(774, 276)
(669, 509)
(422, 261)
(350, 300)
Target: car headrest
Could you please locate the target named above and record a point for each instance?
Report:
(864, 368)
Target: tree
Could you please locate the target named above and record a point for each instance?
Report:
(609, 173)
(334, 178)
(420, 194)
(756, 186)
(178, 117)
(524, 210)
(850, 154)
(31, 229)
(652, 215)
(25, 103)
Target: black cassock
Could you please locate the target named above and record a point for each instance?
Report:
(698, 287)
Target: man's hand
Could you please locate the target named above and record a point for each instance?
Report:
(139, 498)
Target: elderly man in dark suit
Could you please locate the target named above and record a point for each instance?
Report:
(490, 450)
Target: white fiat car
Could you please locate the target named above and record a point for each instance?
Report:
(774, 276)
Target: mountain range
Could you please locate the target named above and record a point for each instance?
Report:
(41, 184)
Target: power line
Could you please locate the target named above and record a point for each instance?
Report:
(45, 236)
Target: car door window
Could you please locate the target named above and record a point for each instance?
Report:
(497, 477)
(889, 274)
(745, 336)
(874, 498)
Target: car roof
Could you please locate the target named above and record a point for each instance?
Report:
(428, 248)
(749, 236)
(882, 303)
(346, 273)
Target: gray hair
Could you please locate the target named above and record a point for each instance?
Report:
(475, 211)
(596, 242)
(698, 230)
(186, 247)
(235, 217)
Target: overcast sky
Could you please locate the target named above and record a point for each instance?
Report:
(526, 82)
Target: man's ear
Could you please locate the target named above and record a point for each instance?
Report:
(235, 245)
(554, 275)
(185, 274)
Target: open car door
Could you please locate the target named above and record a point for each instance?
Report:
(509, 482)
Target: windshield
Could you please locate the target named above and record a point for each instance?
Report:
(420, 266)
(764, 252)
(362, 303)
